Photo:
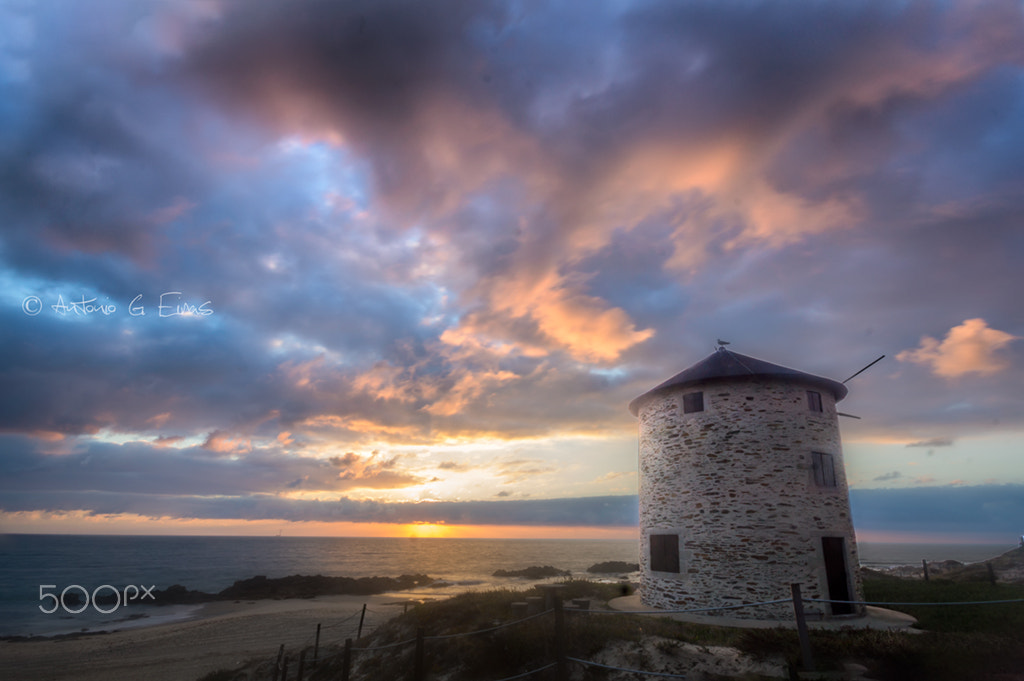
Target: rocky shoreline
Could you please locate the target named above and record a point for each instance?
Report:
(261, 587)
(1005, 569)
(253, 617)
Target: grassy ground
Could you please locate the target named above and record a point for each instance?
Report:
(975, 643)
(958, 643)
(993, 619)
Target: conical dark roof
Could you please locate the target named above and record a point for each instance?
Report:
(723, 365)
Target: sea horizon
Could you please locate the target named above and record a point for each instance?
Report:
(33, 565)
(922, 540)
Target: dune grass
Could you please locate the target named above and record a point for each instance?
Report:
(995, 618)
(976, 643)
(968, 642)
(517, 648)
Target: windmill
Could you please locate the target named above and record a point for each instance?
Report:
(851, 416)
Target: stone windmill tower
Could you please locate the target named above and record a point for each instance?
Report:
(743, 490)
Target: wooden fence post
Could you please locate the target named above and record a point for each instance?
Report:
(359, 634)
(806, 656)
(277, 665)
(302, 664)
(561, 668)
(418, 671)
(346, 660)
(991, 573)
(284, 669)
(316, 644)
(924, 564)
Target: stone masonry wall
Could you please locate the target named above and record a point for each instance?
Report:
(736, 483)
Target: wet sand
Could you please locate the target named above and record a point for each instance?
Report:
(222, 636)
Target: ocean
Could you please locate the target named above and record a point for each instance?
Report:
(876, 555)
(32, 566)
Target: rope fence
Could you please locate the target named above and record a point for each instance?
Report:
(884, 603)
(489, 630)
(399, 644)
(561, 658)
(588, 663)
(530, 673)
(687, 611)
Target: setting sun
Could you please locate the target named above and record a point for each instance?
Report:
(426, 530)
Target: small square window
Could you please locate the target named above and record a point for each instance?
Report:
(814, 400)
(693, 402)
(824, 469)
(664, 553)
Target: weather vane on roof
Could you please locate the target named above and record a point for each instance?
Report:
(721, 344)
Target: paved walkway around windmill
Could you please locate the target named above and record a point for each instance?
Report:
(875, 618)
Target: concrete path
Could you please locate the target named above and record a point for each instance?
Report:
(875, 618)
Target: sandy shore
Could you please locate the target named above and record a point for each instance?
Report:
(223, 635)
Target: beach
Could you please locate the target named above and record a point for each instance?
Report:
(221, 636)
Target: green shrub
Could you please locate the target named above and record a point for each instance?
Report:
(221, 675)
(980, 643)
(974, 642)
(993, 618)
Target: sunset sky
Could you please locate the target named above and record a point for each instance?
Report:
(397, 268)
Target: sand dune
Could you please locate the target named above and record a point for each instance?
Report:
(222, 637)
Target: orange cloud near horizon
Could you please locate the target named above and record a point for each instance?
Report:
(79, 522)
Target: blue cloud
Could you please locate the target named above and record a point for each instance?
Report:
(612, 511)
(347, 184)
(983, 510)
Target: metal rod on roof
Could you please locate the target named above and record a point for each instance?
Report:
(867, 367)
(738, 361)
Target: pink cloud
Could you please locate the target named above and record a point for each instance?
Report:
(220, 442)
(968, 348)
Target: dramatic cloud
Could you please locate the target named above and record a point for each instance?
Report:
(401, 251)
(928, 511)
(140, 469)
(616, 511)
(968, 348)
